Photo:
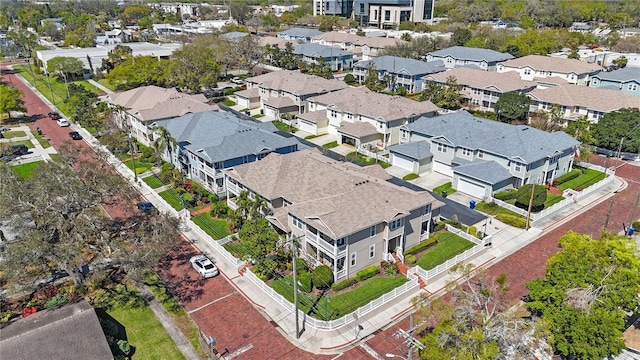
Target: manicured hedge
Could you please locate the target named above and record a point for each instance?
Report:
(568, 176)
(410, 259)
(343, 284)
(512, 220)
(368, 272)
(506, 195)
(421, 246)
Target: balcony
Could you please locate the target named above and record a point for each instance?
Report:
(328, 248)
(234, 188)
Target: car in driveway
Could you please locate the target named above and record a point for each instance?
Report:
(75, 135)
(203, 266)
(54, 115)
(62, 122)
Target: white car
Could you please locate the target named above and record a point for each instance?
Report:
(62, 122)
(204, 266)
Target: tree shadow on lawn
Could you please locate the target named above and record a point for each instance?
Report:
(112, 327)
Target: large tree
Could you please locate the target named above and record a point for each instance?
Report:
(614, 128)
(587, 289)
(445, 96)
(58, 216)
(140, 71)
(194, 67)
(10, 100)
(512, 107)
(475, 321)
(320, 68)
(240, 11)
(372, 81)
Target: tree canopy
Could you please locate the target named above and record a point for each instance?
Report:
(587, 288)
(443, 96)
(320, 68)
(512, 107)
(10, 99)
(67, 66)
(139, 71)
(618, 125)
(194, 67)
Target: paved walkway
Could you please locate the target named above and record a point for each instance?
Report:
(37, 153)
(100, 86)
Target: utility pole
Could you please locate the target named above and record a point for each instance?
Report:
(409, 340)
(533, 187)
(295, 285)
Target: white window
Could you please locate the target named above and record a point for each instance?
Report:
(333, 113)
(297, 223)
(353, 259)
(427, 209)
(632, 87)
(481, 154)
(442, 148)
(372, 251)
(396, 224)
(372, 231)
(349, 116)
(466, 152)
(527, 72)
(517, 167)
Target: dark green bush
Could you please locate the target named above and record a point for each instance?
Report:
(421, 246)
(343, 284)
(506, 195)
(304, 279)
(410, 259)
(512, 220)
(322, 277)
(56, 301)
(368, 272)
(636, 225)
(568, 176)
(524, 195)
(349, 79)
(301, 265)
(124, 346)
(410, 176)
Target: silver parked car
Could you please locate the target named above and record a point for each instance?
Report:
(204, 266)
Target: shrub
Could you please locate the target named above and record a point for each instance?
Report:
(5, 316)
(301, 265)
(473, 231)
(439, 226)
(421, 246)
(56, 301)
(524, 196)
(568, 176)
(109, 327)
(390, 268)
(322, 277)
(368, 272)
(343, 284)
(411, 176)
(304, 279)
(349, 79)
(401, 90)
(512, 220)
(636, 225)
(506, 195)
(410, 259)
(124, 346)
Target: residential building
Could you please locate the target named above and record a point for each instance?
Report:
(337, 59)
(387, 14)
(91, 58)
(362, 118)
(345, 216)
(483, 156)
(534, 67)
(482, 89)
(137, 109)
(116, 36)
(398, 71)
(626, 79)
(69, 332)
(285, 91)
(578, 101)
(363, 47)
(299, 34)
(208, 142)
(458, 56)
(273, 41)
(181, 9)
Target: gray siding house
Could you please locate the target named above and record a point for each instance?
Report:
(458, 56)
(484, 156)
(626, 80)
(345, 216)
(405, 72)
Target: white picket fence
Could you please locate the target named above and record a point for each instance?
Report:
(344, 320)
(380, 155)
(467, 236)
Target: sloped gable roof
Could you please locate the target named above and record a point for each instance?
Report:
(474, 54)
(395, 64)
(416, 150)
(489, 172)
(480, 79)
(626, 74)
(295, 82)
(599, 99)
(554, 64)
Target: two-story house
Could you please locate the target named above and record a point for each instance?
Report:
(362, 118)
(345, 216)
(483, 156)
(482, 89)
(285, 91)
(298, 34)
(337, 59)
(458, 56)
(534, 67)
(363, 47)
(626, 80)
(137, 109)
(578, 101)
(208, 142)
(399, 71)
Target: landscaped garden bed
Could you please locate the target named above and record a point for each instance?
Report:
(361, 159)
(505, 215)
(153, 181)
(437, 250)
(584, 178)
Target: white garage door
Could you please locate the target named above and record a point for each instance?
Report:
(271, 112)
(470, 188)
(245, 103)
(402, 162)
(442, 168)
(308, 127)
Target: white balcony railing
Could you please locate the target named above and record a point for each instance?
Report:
(328, 248)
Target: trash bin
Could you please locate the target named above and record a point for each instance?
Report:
(631, 231)
(472, 204)
(444, 193)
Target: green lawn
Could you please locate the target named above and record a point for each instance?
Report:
(361, 159)
(58, 87)
(153, 181)
(41, 139)
(282, 126)
(14, 134)
(24, 170)
(237, 248)
(586, 179)
(106, 83)
(216, 228)
(330, 145)
(228, 102)
(552, 199)
(449, 245)
(257, 116)
(494, 209)
(334, 306)
(444, 187)
(145, 333)
(26, 143)
(141, 167)
(172, 198)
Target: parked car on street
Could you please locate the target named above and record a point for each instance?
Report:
(62, 122)
(54, 115)
(75, 135)
(145, 206)
(203, 266)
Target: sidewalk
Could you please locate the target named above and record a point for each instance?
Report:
(37, 153)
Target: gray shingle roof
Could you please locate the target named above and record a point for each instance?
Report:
(622, 75)
(489, 172)
(475, 54)
(317, 50)
(224, 136)
(395, 64)
(465, 130)
(300, 32)
(234, 35)
(416, 150)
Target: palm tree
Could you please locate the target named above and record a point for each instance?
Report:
(164, 142)
(244, 203)
(259, 206)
